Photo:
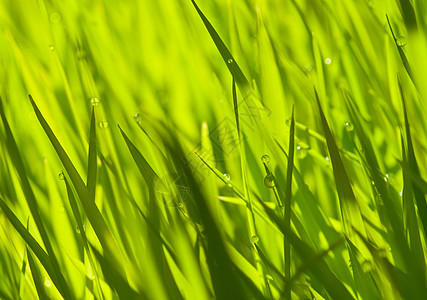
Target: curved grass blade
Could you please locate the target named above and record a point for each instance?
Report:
(402, 53)
(38, 282)
(43, 257)
(320, 270)
(16, 158)
(350, 210)
(92, 212)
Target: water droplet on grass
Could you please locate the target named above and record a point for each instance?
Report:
(386, 177)
(328, 61)
(103, 124)
(55, 17)
(51, 47)
(301, 152)
(401, 41)
(61, 176)
(227, 177)
(138, 118)
(348, 126)
(47, 282)
(401, 193)
(94, 101)
(230, 61)
(327, 158)
(254, 239)
(269, 181)
(265, 159)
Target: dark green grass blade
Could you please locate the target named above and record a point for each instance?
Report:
(402, 53)
(92, 158)
(413, 165)
(348, 204)
(320, 270)
(408, 14)
(227, 284)
(288, 198)
(43, 257)
(92, 212)
(387, 208)
(235, 70)
(16, 158)
(155, 244)
(115, 279)
(38, 281)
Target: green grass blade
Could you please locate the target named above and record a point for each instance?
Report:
(43, 257)
(37, 277)
(92, 212)
(92, 158)
(288, 197)
(351, 215)
(32, 203)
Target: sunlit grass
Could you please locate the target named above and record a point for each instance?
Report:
(218, 149)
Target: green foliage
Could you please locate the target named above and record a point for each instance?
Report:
(264, 149)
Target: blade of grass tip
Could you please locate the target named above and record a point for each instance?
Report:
(413, 165)
(334, 287)
(350, 210)
(288, 199)
(30, 198)
(226, 282)
(156, 246)
(37, 277)
(92, 158)
(402, 54)
(40, 253)
(92, 212)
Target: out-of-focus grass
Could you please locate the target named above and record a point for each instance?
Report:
(265, 149)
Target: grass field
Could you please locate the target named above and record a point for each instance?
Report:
(264, 149)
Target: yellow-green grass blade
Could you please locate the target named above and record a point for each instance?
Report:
(350, 211)
(43, 257)
(15, 155)
(37, 277)
(288, 197)
(92, 212)
(92, 158)
(334, 287)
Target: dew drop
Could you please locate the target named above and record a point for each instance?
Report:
(103, 124)
(61, 176)
(51, 47)
(348, 126)
(78, 229)
(181, 205)
(308, 68)
(401, 41)
(230, 61)
(265, 159)
(386, 177)
(328, 61)
(138, 118)
(47, 282)
(94, 101)
(254, 239)
(327, 158)
(269, 181)
(55, 17)
(227, 177)
(401, 193)
(229, 185)
(301, 152)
